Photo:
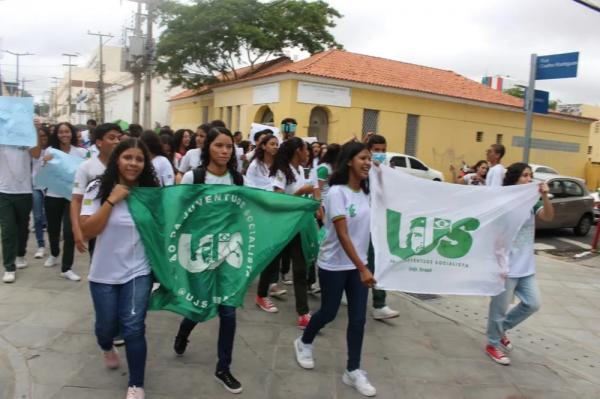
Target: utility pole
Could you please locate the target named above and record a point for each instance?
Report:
(69, 64)
(56, 80)
(101, 70)
(23, 86)
(18, 55)
(136, 70)
(149, 63)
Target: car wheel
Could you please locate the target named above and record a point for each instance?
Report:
(584, 226)
(436, 179)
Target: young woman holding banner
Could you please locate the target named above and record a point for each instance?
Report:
(219, 166)
(288, 177)
(64, 138)
(521, 279)
(120, 279)
(342, 262)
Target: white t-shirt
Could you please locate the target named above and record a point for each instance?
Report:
(469, 179)
(76, 152)
(190, 161)
(94, 151)
(15, 170)
(36, 164)
(188, 178)
(87, 171)
(521, 258)
(257, 176)
(495, 176)
(122, 255)
(354, 206)
(279, 181)
(164, 170)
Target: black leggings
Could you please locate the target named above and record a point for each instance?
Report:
(57, 212)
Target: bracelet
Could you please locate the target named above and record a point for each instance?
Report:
(109, 202)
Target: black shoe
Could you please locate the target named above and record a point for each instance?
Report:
(180, 344)
(229, 381)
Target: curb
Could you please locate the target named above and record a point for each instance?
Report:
(22, 388)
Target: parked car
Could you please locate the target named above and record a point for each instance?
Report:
(543, 172)
(413, 165)
(573, 205)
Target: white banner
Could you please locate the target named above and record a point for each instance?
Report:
(440, 238)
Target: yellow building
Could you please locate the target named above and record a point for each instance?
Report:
(437, 115)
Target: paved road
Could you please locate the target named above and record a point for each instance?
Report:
(434, 350)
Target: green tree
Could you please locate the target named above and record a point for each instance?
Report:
(214, 37)
(516, 91)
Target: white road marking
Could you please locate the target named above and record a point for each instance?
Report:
(538, 246)
(573, 242)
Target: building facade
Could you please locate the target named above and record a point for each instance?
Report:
(437, 115)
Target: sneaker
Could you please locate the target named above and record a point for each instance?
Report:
(118, 341)
(135, 393)
(358, 379)
(39, 254)
(384, 313)
(111, 358)
(497, 355)
(9, 277)
(275, 291)
(505, 342)
(180, 344)
(228, 381)
(314, 289)
(304, 354)
(70, 275)
(265, 304)
(303, 321)
(51, 261)
(20, 262)
(286, 280)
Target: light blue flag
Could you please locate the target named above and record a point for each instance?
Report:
(16, 121)
(58, 174)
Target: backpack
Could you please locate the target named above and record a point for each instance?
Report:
(200, 176)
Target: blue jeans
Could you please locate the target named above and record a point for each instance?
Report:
(121, 308)
(39, 216)
(526, 289)
(333, 284)
(227, 326)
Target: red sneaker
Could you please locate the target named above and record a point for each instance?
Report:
(303, 321)
(505, 342)
(497, 355)
(265, 304)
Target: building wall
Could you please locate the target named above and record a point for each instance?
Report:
(447, 131)
(592, 111)
(187, 113)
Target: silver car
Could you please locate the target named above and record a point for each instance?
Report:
(573, 204)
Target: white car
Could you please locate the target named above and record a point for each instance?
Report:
(413, 166)
(543, 172)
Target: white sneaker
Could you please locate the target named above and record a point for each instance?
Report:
(9, 277)
(51, 261)
(304, 354)
(135, 393)
(70, 275)
(358, 379)
(20, 262)
(39, 254)
(384, 313)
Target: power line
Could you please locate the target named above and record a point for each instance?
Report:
(101, 70)
(18, 55)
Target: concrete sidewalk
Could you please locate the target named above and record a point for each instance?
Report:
(48, 350)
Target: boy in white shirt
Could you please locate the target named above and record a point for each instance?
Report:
(495, 175)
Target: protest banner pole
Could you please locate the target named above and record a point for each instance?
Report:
(529, 97)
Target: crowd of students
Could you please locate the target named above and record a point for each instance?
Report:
(96, 219)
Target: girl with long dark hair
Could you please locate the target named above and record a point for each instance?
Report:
(342, 262)
(120, 279)
(520, 281)
(181, 143)
(326, 167)
(288, 177)
(63, 138)
(476, 178)
(219, 166)
(165, 171)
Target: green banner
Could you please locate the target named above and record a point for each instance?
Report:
(207, 243)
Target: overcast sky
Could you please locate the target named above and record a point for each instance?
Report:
(471, 37)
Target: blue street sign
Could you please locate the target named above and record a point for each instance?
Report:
(540, 102)
(556, 66)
